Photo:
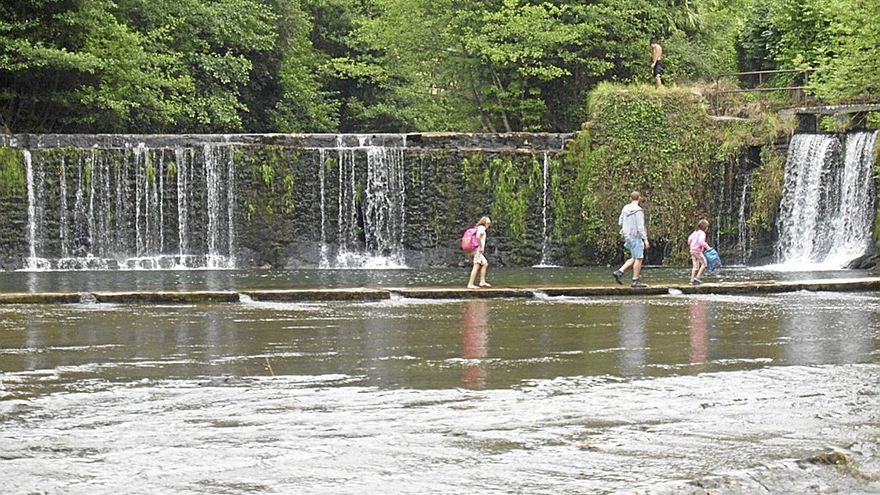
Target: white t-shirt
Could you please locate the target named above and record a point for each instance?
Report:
(481, 235)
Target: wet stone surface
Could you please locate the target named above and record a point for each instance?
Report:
(667, 394)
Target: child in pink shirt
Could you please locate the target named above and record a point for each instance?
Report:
(697, 244)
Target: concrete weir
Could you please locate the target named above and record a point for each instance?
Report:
(366, 294)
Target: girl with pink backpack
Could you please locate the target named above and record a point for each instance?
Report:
(473, 241)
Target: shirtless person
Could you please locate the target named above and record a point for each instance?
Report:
(656, 61)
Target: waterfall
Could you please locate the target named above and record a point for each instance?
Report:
(64, 233)
(140, 178)
(742, 226)
(160, 198)
(143, 202)
(216, 190)
(182, 201)
(852, 225)
(377, 240)
(544, 207)
(324, 261)
(384, 211)
(346, 221)
(107, 209)
(230, 207)
(827, 211)
(32, 262)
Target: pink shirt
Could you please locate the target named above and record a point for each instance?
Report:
(697, 241)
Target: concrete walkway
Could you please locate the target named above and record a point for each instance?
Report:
(364, 294)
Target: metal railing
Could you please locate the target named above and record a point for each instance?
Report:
(763, 78)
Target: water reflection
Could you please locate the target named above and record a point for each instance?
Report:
(32, 282)
(830, 330)
(474, 341)
(698, 332)
(33, 343)
(633, 322)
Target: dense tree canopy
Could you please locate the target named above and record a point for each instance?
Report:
(395, 65)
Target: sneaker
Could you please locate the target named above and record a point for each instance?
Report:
(696, 281)
(617, 274)
(637, 282)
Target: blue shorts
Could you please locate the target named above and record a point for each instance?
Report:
(636, 247)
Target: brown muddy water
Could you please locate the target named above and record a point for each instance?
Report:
(671, 394)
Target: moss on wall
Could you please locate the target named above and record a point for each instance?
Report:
(12, 172)
(13, 204)
(767, 184)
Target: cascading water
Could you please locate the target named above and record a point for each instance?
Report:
(852, 224)
(180, 155)
(827, 209)
(544, 213)
(109, 210)
(742, 225)
(215, 158)
(383, 206)
(139, 202)
(324, 261)
(385, 212)
(34, 216)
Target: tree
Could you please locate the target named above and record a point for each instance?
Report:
(835, 38)
(503, 65)
(129, 66)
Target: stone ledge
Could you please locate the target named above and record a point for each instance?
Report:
(367, 294)
(358, 294)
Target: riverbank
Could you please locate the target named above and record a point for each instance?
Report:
(372, 294)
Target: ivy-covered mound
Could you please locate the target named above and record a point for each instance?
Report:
(664, 144)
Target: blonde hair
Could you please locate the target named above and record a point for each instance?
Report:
(486, 221)
(703, 224)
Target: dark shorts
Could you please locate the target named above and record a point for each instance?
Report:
(658, 68)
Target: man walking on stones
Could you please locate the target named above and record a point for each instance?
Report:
(635, 236)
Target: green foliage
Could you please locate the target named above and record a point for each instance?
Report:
(475, 175)
(121, 66)
(170, 171)
(515, 182)
(395, 65)
(576, 216)
(287, 198)
(267, 173)
(87, 172)
(505, 64)
(12, 173)
(659, 142)
(149, 171)
(305, 104)
(767, 188)
(836, 38)
(272, 182)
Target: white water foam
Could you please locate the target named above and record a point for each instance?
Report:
(826, 214)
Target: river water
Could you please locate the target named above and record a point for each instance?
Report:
(666, 394)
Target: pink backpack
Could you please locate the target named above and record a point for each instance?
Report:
(469, 240)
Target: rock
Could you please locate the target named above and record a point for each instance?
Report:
(865, 262)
